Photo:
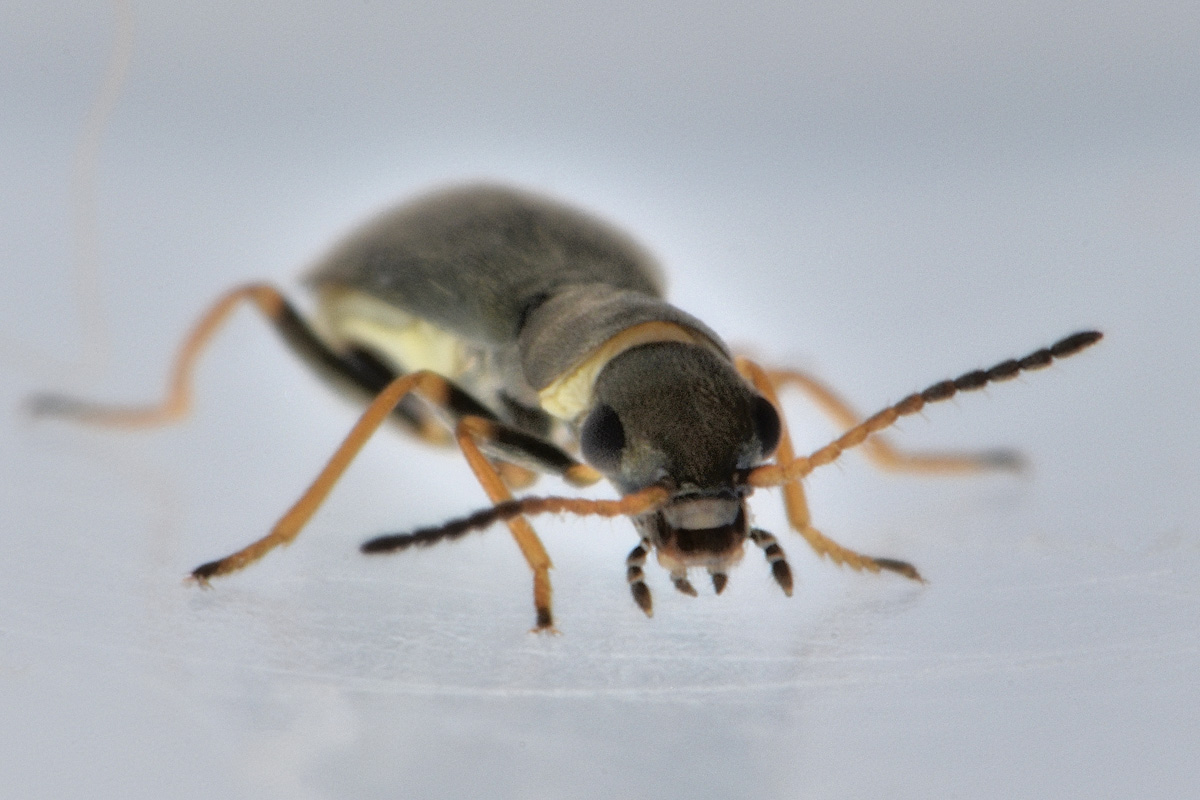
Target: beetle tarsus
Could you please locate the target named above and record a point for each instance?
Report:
(205, 571)
(900, 567)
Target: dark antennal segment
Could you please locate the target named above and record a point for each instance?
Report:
(631, 505)
(778, 474)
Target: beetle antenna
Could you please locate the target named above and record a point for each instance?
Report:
(779, 474)
(629, 506)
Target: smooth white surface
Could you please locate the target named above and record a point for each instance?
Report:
(886, 194)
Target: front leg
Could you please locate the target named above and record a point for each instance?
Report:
(796, 504)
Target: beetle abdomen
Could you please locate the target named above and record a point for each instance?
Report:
(474, 259)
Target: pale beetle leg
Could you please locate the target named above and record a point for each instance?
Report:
(290, 524)
(795, 502)
(469, 429)
(275, 307)
(788, 470)
(436, 389)
(355, 370)
(178, 399)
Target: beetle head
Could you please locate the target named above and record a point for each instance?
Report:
(679, 416)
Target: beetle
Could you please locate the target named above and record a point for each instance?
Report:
(536, 337)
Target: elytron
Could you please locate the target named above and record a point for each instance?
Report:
(537, 339)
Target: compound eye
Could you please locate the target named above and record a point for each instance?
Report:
(765, 419)
(601, 439)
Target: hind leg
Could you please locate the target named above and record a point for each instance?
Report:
(356, 370)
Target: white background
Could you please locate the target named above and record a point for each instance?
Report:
(886, 194)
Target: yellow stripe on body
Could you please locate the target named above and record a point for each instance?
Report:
(570, 394)
(409, 342)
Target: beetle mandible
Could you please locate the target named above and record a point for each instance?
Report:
(537, 338)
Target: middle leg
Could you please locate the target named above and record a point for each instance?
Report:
(878, 449)
(470, 433)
